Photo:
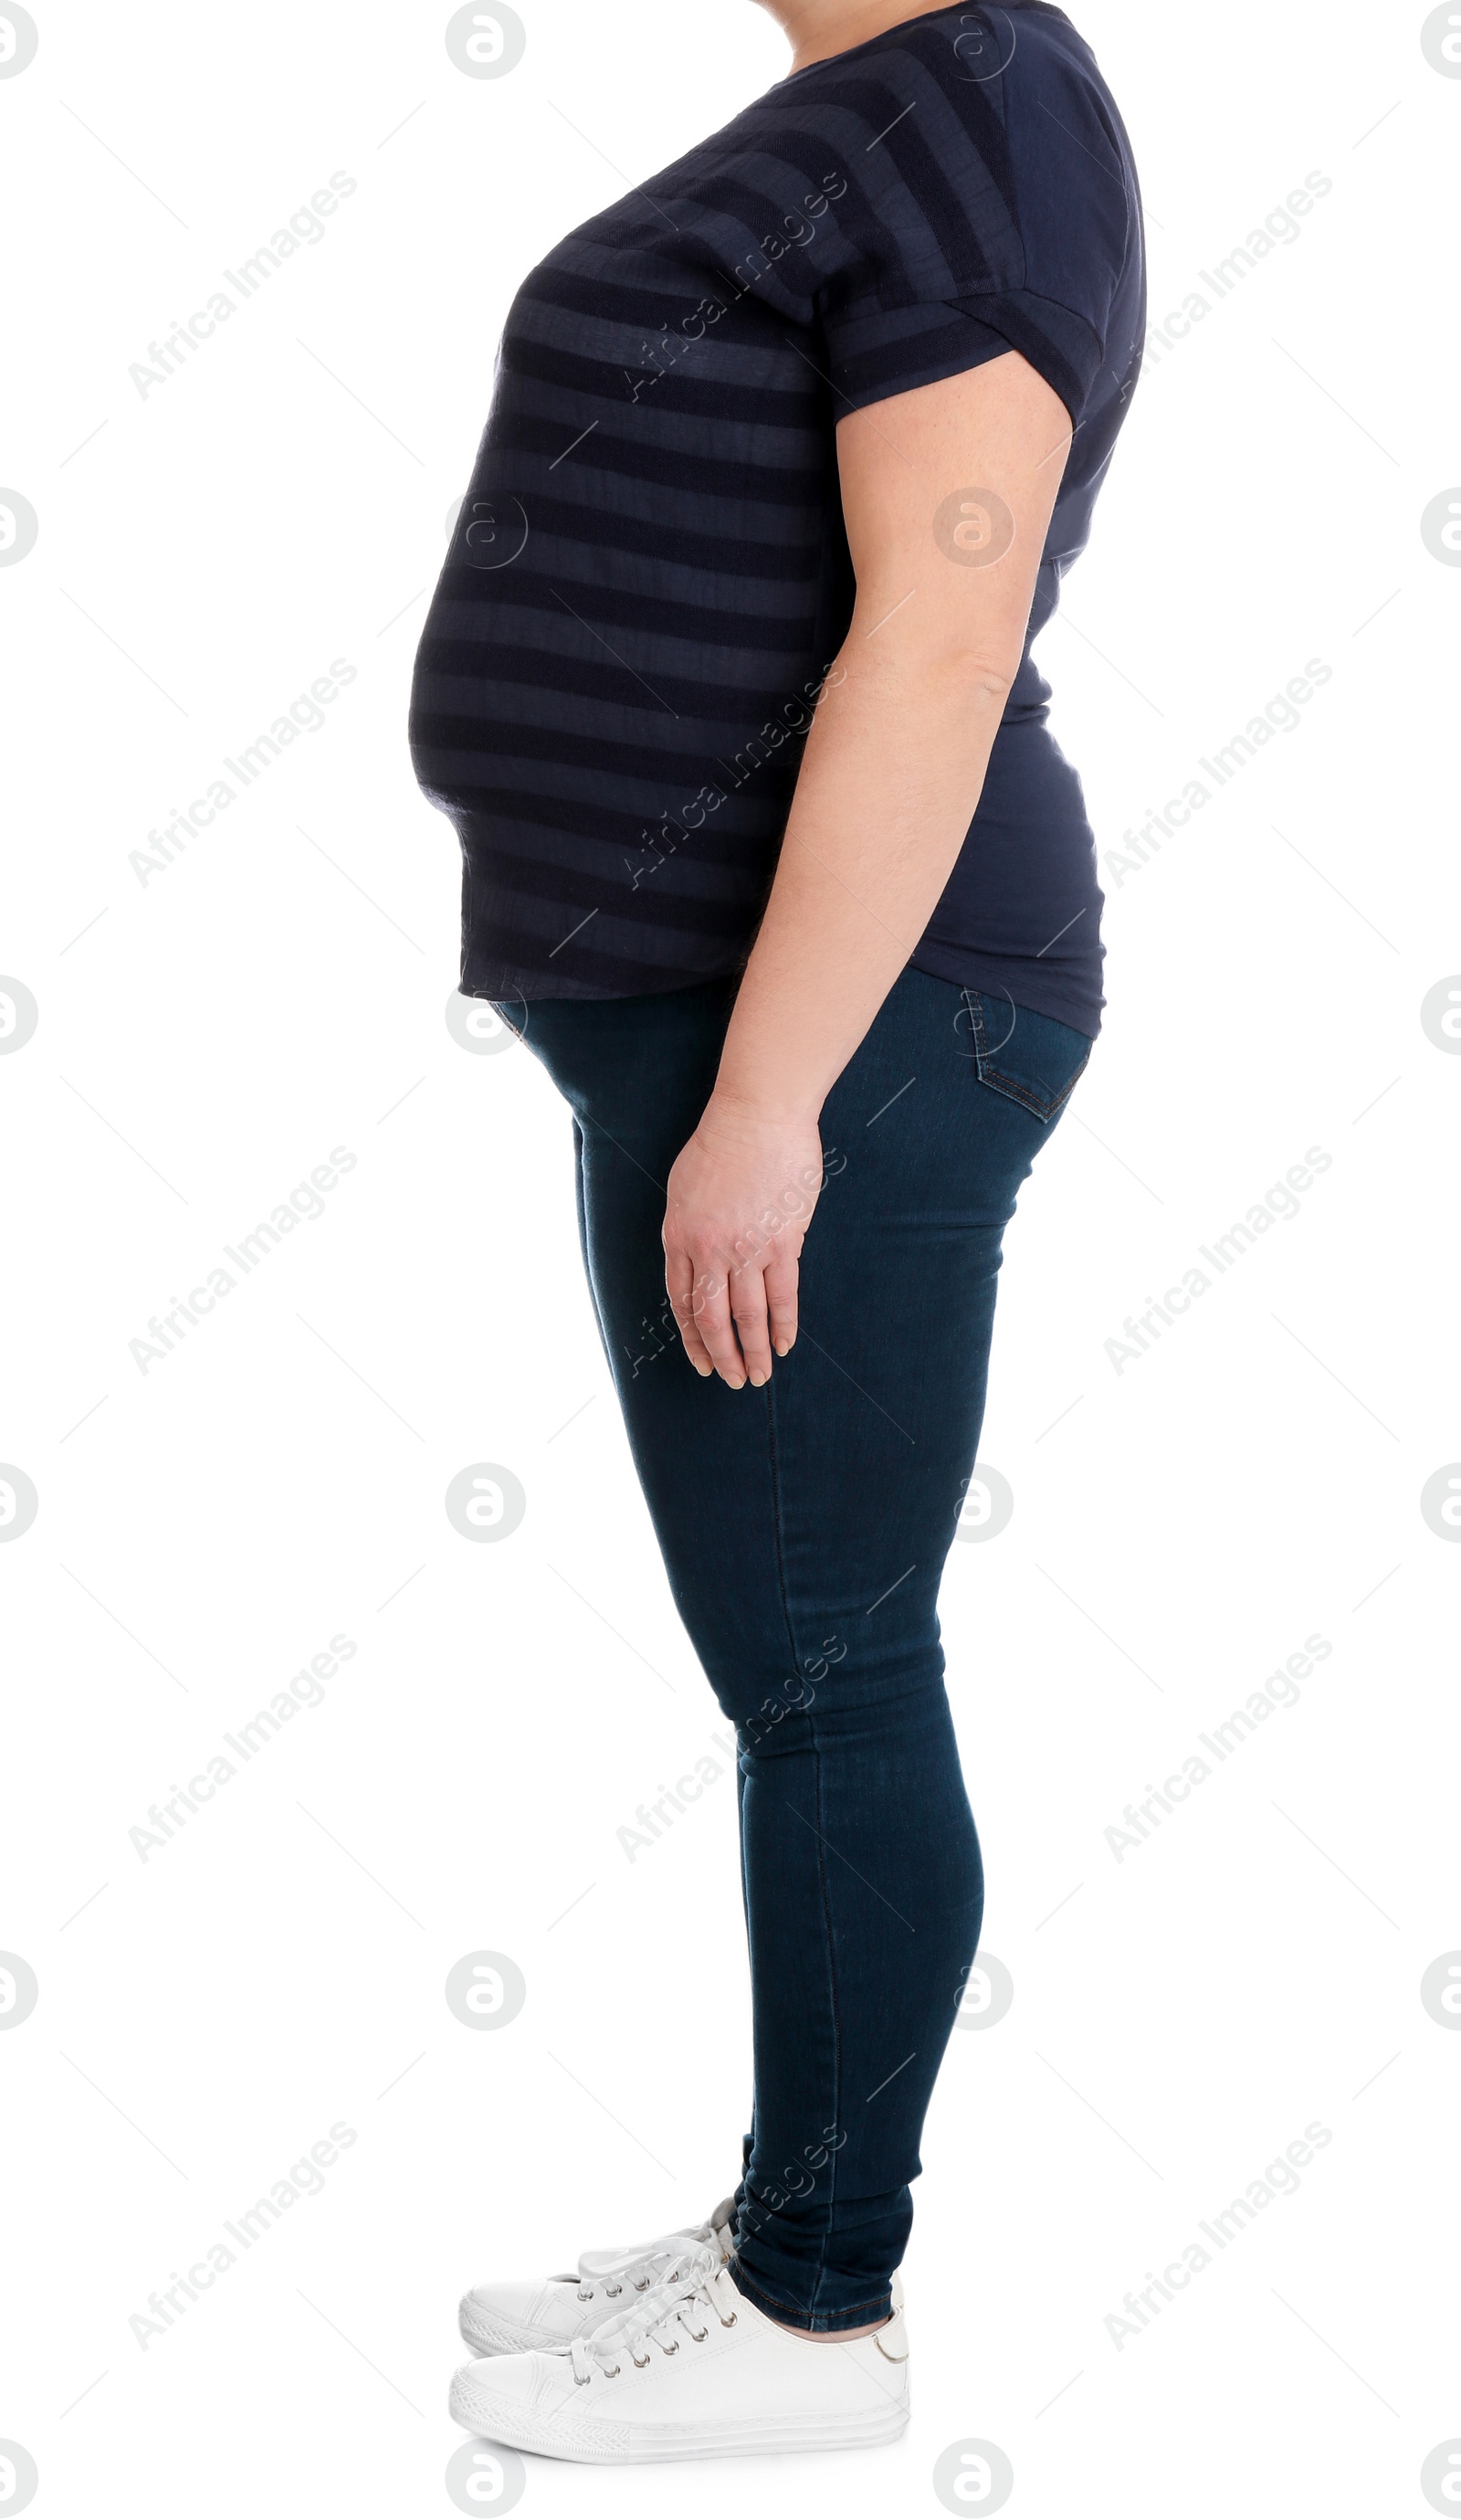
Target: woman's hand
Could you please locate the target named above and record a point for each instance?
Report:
(741, 1196)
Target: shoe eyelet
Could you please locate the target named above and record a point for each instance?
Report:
(612, 2375)
(644, 2286)
(730, 2322)
(638, 2364)
(584, 2382)
(699, 2335)
(670, 2349)
(586, 2296)
(613, 2291)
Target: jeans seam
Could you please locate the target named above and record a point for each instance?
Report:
(774, 1468)
(826, 1911)
(822, 1861)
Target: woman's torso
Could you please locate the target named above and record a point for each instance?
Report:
(650, 575)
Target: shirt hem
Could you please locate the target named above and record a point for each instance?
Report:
(1064, 1000)
(994, 975)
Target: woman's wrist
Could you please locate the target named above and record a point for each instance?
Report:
(764, 1083)
(737, 1109)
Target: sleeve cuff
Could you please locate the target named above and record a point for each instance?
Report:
(875, 349)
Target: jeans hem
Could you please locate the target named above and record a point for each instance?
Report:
(815, 2322)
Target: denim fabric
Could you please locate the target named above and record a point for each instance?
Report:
(804, 1528)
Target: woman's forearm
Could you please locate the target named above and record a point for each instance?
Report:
(892, 773)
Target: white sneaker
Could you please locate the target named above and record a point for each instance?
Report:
(692, 2370)
(513, 2317)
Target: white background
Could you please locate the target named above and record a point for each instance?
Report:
(206, 1037)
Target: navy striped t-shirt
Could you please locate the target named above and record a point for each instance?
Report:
(649, 576)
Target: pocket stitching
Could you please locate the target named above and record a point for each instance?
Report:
(1045, 1107)
(496, 1004)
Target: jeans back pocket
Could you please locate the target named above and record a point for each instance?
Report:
(1034, 1059)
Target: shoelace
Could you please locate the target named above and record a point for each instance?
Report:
(656, 2265)
(672, 2304)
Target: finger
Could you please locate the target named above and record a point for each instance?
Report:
(781, 1279)
(713, 1324)
(748, 1312)
(679, 1287)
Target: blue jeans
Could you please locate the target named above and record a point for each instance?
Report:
(804, 1529)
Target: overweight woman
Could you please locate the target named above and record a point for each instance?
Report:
(770, 859)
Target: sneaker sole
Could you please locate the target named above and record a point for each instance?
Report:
(486, 2334)
(481, 2411)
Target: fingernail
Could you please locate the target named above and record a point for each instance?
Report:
(782, 1346)
(757, 1379)
(701, 1369)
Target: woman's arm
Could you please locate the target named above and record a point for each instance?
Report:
(946, 492)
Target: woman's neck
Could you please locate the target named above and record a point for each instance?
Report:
(818, 28)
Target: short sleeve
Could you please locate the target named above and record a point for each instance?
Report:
(973, 215)
(876, 351)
